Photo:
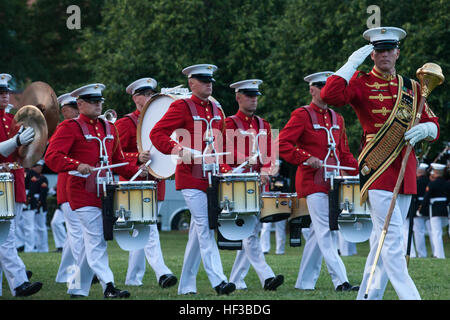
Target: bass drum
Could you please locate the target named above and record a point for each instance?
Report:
(162, 165)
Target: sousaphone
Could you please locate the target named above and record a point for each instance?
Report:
(38, 109)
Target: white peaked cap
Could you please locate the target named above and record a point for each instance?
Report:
(423, 166)
(141, 84)
(250, 86)
(318, 77)
(438, 166)
(89, 91)
(66, 98)
(205, 70)
(384, 37)
(4, 79)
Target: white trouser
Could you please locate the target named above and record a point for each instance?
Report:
(346, 248)
(251, 253)
(72, 246)
(152, 250)
(41, 232)
(19, 226)
(321, 243)
(392, 262)
(412, 253)
(280, 236)
(10, 261)
(201, 245)
(58, 228)
(419, 236)
(29, 230)
(436, 225)
(93, 256)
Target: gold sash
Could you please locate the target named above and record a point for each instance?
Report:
(388, 142)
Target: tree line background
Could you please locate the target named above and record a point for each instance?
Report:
(278, 41)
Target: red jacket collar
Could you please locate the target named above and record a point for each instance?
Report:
(244, 117)
(199, 101)
(317, 109)
(88, 120)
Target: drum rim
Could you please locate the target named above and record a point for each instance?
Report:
(139, 182)
(269, 194)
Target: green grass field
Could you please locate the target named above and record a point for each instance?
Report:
(431, 275)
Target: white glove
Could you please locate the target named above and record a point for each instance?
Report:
(354, 61)
(25, 137)
(427, 130)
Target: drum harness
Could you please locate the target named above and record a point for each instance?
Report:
(331, 143)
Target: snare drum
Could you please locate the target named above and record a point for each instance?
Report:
(354, 220)
(276, 206)
(135, 202)
(299, 207)
(7, 199)
(239, 193)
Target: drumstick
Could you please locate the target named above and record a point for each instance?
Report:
(140, 170)
(332, 167)
(146, 164)
(78, 174)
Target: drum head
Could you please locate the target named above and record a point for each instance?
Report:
(162, 166)
(135, 239)
(238, 229)
(358, 231)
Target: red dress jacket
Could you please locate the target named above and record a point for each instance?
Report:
(179, 116)
(298, 141)
(241, 151)
(372, 95)
(127, 135)
(69, 148)
(19, 174)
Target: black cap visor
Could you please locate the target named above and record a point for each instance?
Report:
(250, 92)
(91, 98)
(385, 44)
(203, 77)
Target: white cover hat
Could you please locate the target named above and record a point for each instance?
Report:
(4, 79)
(423, 166)
(249, 87)
(438, 166)
(384, 37)
(318, 77)
(200, 71)
(66, 99)
(90, 91)
(141, 84)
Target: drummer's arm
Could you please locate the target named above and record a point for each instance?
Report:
(288, 137)
(124, 127)
(57, 154)
(346, 158)
(172, 120)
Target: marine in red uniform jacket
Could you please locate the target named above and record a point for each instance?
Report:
(126, 127)
(19, 174)
(372, 95)
(179, 116)
(299, 141)
(69, 148)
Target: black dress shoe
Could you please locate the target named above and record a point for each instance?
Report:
(20, 249)
(273, 283)
(167, 280)
(346, 287)
(58, 250)
(29, 274)
(27, 289)
(225, 288)
(75, 296)
(112, 292)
